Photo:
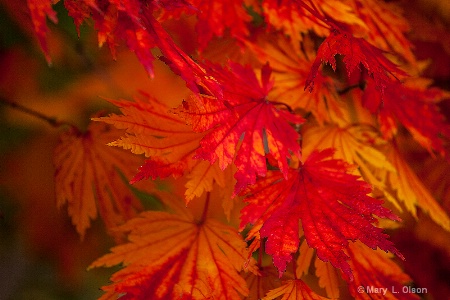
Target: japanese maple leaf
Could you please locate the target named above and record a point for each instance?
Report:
(332, 205)
(291, 66)
(356, 52)
(87, 177)
(215, 16)
(176, 256)
(293, 290)
(416, 107)
(295, 17)
(40, 10)
(243, 123)
(357, 145)
(386, 26)
(151, 130)
(259, 284)
(132, 21)
(325, 272)
(410, 190)
(167, 142)
(376, 269)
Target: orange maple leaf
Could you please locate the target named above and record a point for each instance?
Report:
(151, 130)
(295, 17)
(291, 66)
(293, 290)
(88, 179)
(175, 255)
(168, 143)
(266, 280)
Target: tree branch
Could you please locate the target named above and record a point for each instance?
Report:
(52, 121)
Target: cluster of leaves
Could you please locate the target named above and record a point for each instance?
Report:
(299, 157)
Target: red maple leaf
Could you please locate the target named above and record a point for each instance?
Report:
(332, 205)
(132, 21)
(356, 52)
(416, 108)
(215, 16)
(242, 122)
(40, 10)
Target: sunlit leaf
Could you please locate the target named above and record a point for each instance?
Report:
(171, 256)
(244, 113)
(332, 205)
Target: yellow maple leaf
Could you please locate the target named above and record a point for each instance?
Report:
(411, 191)
(87, 177)
(171, 256)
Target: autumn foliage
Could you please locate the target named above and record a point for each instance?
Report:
(280, 172)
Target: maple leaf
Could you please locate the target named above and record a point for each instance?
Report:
(333, 207)
(202, 179)
(168, 143)
(291, 66)
(386, 26)
(244, 113)
(325, 272)
(375, 269)
(259, 284)
(194, 75)
(131, 21)
(295, 17)
(171, 256)
(356, 51)
(88, 180)
(293, 290)
(358, 145)
(40, 10)
(328, 278)
(411, 191)
(151, 130)
(215, 16)
(415, 106)
(304, 258)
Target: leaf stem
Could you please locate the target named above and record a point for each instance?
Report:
(347, 89)
(294, 267)
(283, 104)
(52, 121)
(205, 208)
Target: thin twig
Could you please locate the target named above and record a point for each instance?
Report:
(54, 122)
